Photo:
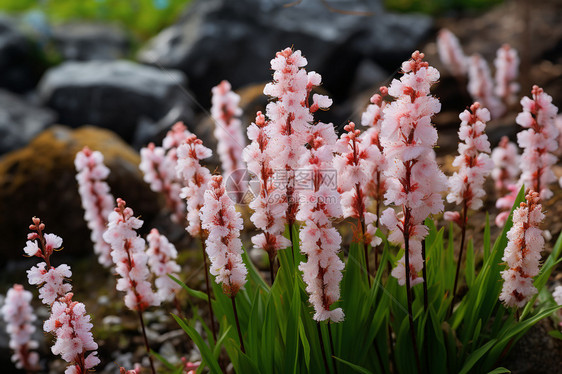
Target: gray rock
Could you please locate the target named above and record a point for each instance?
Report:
(114, 94)
(90, 41)
(235, 40)
(368, 76)
(19, 64)
(21, 121)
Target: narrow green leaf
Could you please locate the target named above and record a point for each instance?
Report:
(476, 355)
(160, 358)
(356, 368)
(206, 354)
(555, 334)
(220, 341)
(197, 294)
(499, 371)
(469, 271)
(487, 239)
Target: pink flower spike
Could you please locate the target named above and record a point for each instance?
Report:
(162, 262)
(290, 118)
(269, 204)
(480, 86)
(523, 252)
(195, 179)
(451, 53)
(130, 259)
(538, 141)
(19, 317)
(506, 165)
(68, 321)
(71, 326)
(320, 241)
(228, 131)
(96, 197)
(223, 244)
(158, 167)
(376, 163)
(414, 181)
(474, 162)
(507, 69)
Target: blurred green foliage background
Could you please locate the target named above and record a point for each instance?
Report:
(144, 18)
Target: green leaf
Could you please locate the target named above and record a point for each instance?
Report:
(190, 291)
(206, 354)
(356, 368)
(292, 334)
(476, 355)
(220, 341)
(555, 334)
(499, 371)
(166, 363)
(469, 271)
(487, 239)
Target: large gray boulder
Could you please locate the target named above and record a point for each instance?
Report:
(235, 40)
(116, 95)
(21, 121)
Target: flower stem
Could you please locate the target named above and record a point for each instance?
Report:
(271, 272)
(146, 341)
(424, 273)
(366, 251)
(211, 314)
(408, 290)
(291, 239)
(238, 325)
(463, 235)
(326, 367)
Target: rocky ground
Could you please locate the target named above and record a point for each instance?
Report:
(128, 103)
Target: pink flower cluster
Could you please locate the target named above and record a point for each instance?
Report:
(162, 261)
(481, 87)
(71, 326)
(376, 163)
(451, 53)
(414, 181)
(223, 244)
(136, 370)
(130, 259)
(523, 252)
(320, 241)
(159, 167)
(269, 207)
(507, 69)
(195, 177)
(506, 165)
(68, 322)
(467, 185)
(19, 317)
(50, 279)
(354, 159)
(97, 200)
(290, 118)
(538, 142)
(228, 131)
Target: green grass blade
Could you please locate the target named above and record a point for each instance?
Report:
(197, 294)
(356, 368)
(206, 354)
